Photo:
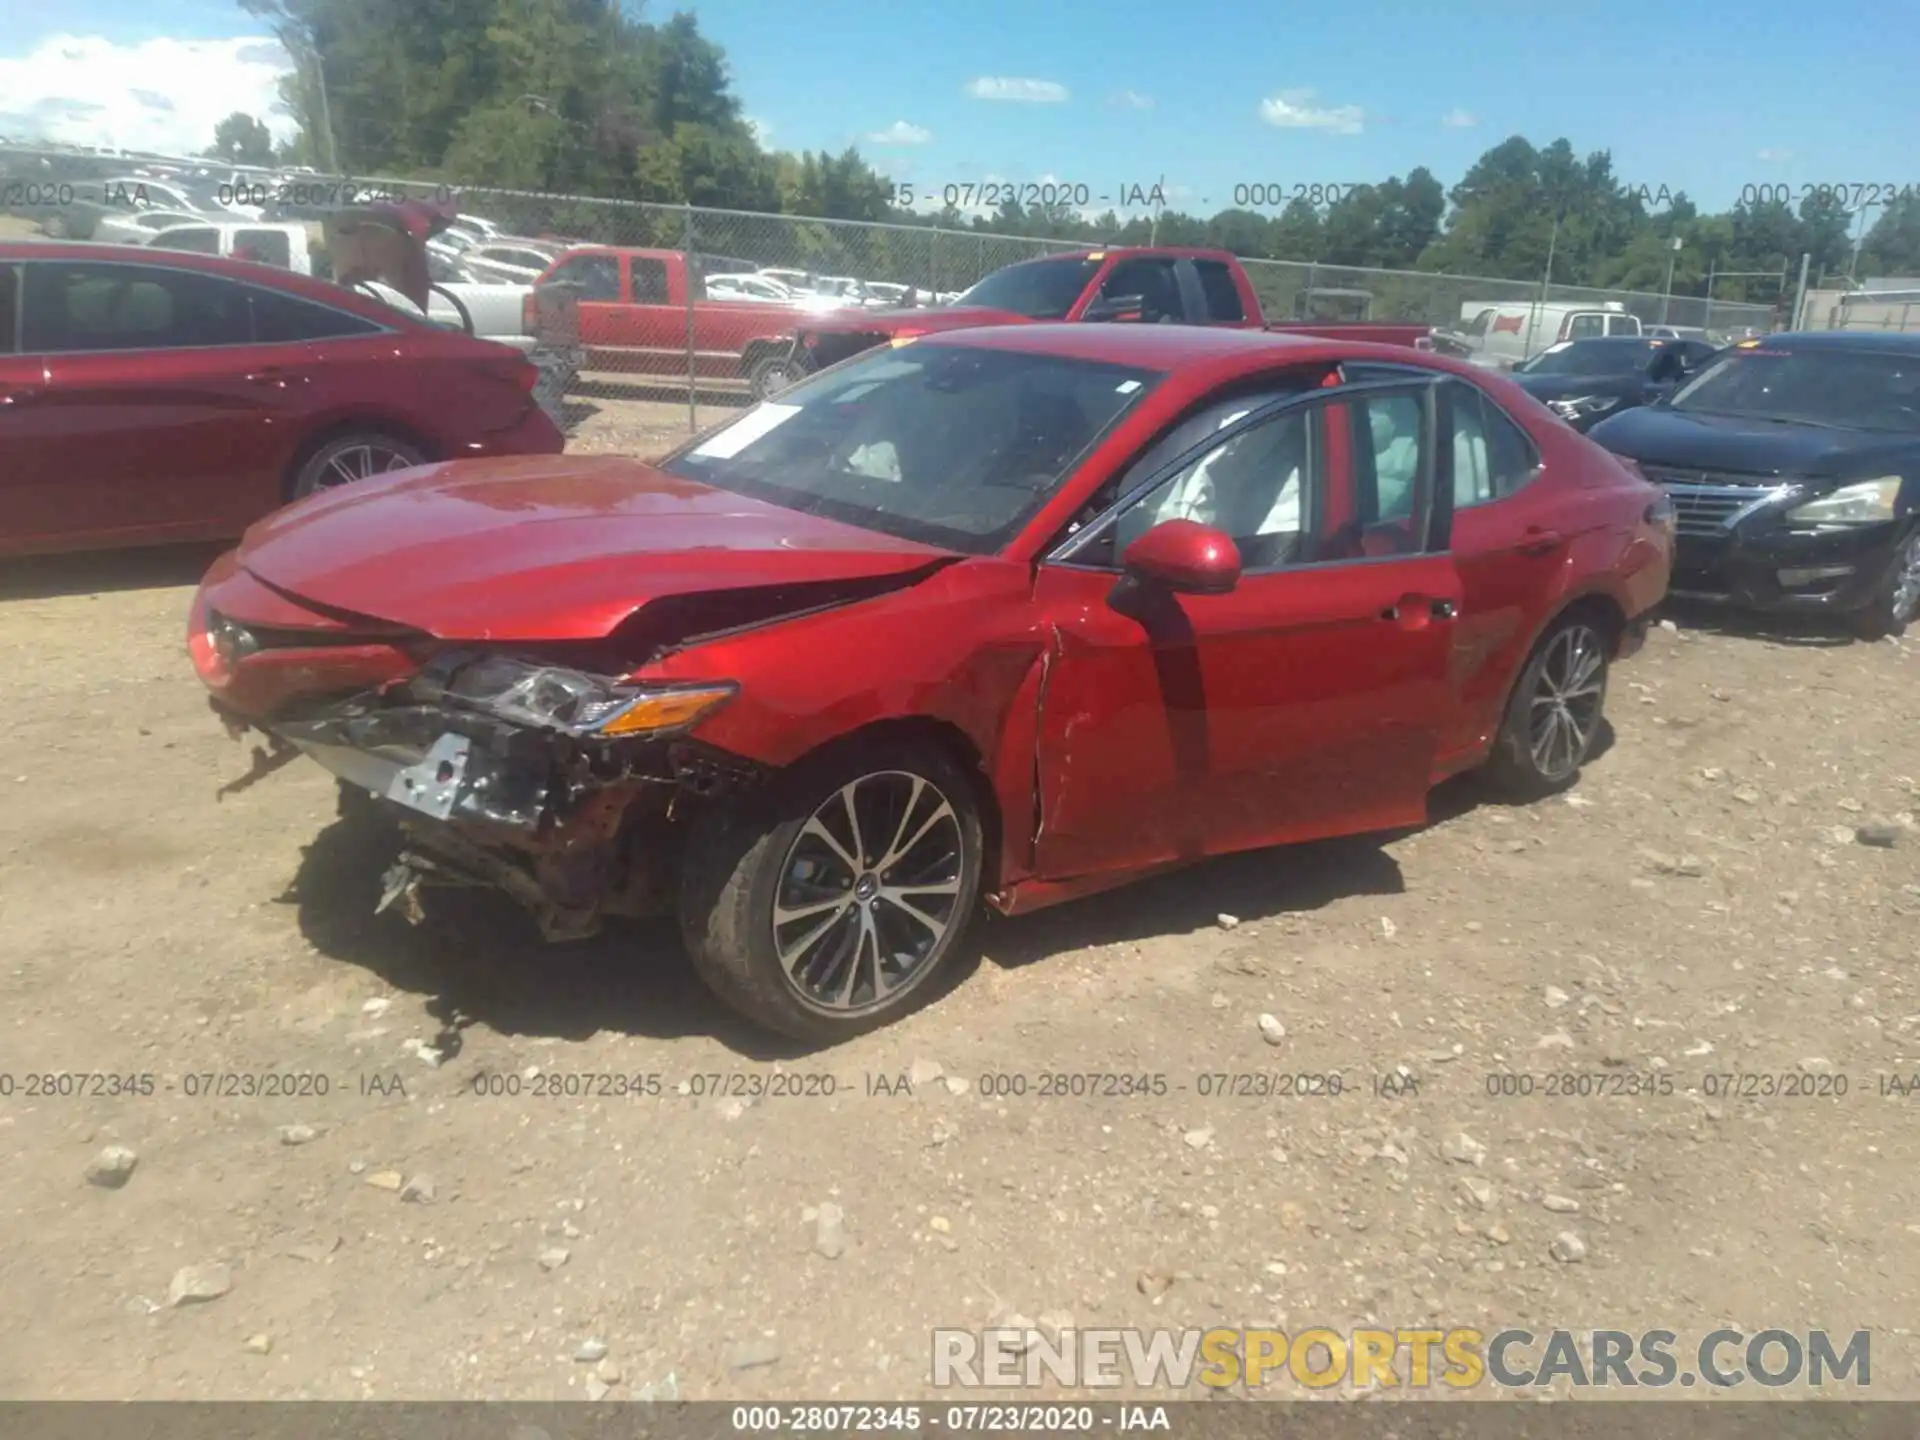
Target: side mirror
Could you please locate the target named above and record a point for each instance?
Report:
(1120, 307)
(1185, 557)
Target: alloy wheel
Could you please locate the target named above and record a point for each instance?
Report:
(869, 891)
(361, 462)
(1565, 711)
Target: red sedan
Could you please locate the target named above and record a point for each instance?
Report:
(149, 397)
(1014, 613)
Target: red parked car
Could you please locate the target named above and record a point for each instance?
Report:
(157, 396)
(1016, 613)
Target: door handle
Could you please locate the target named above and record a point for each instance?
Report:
(1416, 610)
(274, 377)
(19, 397)
(1537, 541)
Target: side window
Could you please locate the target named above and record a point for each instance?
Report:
(1586, 327)
(9, 308)
(649, 282)
(195, 239)
(1387, 454)
(284, 320)
(598, 276)
(1153, 282)
(1223, 296)
(1492, 456)
(267, 247)
(1623, 325)
(1260, 487)
(82, 306)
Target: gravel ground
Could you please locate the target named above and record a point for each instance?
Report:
(1702, 904)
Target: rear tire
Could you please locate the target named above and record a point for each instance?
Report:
(1899, 598)
(356, 455)
(1554, 714)
(873, 911)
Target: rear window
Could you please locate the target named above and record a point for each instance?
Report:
(285, 319)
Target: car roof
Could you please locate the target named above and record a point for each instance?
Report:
(1167, 347)
(1877, 342)
(268, 277)
(1102, 252)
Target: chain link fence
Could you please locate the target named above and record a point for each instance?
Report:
(642, 321)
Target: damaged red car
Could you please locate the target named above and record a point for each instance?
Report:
(1010, 615)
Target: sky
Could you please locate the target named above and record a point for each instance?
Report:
(1206, 98)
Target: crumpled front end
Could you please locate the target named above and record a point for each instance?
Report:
(561, 786)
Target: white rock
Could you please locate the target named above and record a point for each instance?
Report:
(112, 1167)
(829, 1231)
(590, 1351)
(1271, 1030)
(1568, 1248)
(195, 1283)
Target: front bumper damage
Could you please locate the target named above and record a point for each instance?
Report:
(573, 829)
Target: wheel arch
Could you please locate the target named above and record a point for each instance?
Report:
(951, 741)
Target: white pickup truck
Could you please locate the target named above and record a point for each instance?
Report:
(545, 330)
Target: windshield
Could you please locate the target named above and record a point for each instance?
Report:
(1847, 389)
(1590, 357)
(1037, 289)
(950, 445)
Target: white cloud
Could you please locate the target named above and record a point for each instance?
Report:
(761, 131)
(1458, 120)
(1001, 87)
(1133, 100)
(162, 95)
(1295, 110)
(900, 133)
(1774, 157)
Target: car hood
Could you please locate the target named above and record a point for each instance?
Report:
(549, 547)
(1656, 435)
(923, 322)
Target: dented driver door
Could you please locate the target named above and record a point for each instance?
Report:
(1306, 702)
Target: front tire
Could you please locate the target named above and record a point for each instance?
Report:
(357, 455)
(828, 908)
(1553, 717)
(1898, 600)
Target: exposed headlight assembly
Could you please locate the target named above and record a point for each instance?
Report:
(576, 703)
(1864, 502)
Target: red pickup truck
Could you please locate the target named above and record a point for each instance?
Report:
(634, 316)
(1134, 284)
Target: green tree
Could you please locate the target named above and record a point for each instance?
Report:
(1892, 246)
(242, 139)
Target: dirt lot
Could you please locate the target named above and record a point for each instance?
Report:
(1699, 905)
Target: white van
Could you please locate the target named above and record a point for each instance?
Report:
(1501, 334)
